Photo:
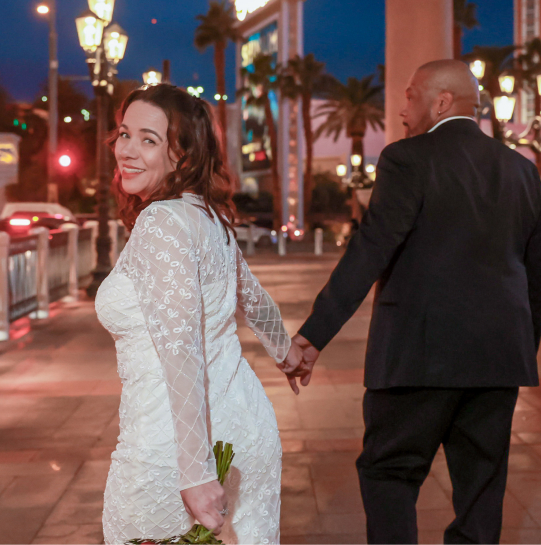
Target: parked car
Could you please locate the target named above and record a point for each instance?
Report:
(262, 235)
(20, 222)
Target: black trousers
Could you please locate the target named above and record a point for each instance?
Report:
(404, 429)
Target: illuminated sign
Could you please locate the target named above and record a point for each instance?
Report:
(244, 7)
(255, 145)
(8, 153)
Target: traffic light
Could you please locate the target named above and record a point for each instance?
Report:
(64, 161)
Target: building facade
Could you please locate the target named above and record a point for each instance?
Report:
(527, 26)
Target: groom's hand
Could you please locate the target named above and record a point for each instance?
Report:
(299, 362)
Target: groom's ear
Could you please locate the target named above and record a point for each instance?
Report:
(445, 101)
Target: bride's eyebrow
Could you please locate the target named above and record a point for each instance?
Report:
(143, 130)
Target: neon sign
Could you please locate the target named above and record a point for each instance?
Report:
(244, 7)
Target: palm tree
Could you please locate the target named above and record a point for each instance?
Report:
(258, 83)
(498, 60)
(300, 78)
(352, 108)
(464, 18)
(217, 28)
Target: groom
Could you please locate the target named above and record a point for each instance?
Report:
(453, 238)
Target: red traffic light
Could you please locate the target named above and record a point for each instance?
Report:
(64, 161)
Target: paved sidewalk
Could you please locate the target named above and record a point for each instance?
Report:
(59, 395)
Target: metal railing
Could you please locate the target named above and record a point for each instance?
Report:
(47, 266)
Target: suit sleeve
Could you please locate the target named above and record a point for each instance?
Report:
(395, 204)
(533, 270)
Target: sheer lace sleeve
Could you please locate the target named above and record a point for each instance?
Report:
(261, 312)
(163, 265)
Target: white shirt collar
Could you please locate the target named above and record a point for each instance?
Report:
(450, 119)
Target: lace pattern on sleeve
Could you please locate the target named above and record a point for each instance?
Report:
(261, 312)
(162, 262)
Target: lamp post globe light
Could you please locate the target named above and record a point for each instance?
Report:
(360, 181)
(104, 45)
(49, 9)
(152, 77)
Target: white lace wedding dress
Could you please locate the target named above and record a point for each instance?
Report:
(170, 304)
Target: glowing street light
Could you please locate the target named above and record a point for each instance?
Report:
(477, 68)
(356, 160)
(152, 77)
(43, 9)
(89, 30)
(115, 40)
(341, 170)
(503, 107)
(103, 9)
(507, 83)
(67, 119)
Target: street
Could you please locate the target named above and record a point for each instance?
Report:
(59, 395)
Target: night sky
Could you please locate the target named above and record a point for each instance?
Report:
(348, 35)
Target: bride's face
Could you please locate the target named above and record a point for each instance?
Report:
(142, 149)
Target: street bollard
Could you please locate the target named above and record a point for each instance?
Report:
(4, 286)
(318, 235)
(94, 225)
(250, 245)
(42, 291)
(73, 284)
(282, 238)
(113, 235)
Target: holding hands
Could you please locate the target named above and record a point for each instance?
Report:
(299, 362)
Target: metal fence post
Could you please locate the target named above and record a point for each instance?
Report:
(113, 234)
(282, 243)
(4, 286)
(318, 250)
(43, 273)
(73, 236)
(250, 245)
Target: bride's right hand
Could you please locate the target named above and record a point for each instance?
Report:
(204, 503)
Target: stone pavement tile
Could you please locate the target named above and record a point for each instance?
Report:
(35, 491)
(523, 458)
(38, 468)
(322, 434)
(292, 445)
(520, 535)
(434, 519)
(351, 523)
(299, 515)
(433, 496)
(22, 524)
(430, 537)
(331, 414)
(296, 479)
(515, 515)
(330, 445)
(529, 438)
(17, 456)
(527, 421)
(78, 506)
(526, 488)
(70, 534)
(91, 417)
(324, 538)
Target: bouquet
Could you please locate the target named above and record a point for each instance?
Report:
(199, 534)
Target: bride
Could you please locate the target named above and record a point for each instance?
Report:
(170, 304)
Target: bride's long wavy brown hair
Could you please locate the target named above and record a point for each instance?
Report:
(193, 136)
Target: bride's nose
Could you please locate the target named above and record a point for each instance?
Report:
(127, 149)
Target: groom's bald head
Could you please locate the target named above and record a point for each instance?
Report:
(438, 90)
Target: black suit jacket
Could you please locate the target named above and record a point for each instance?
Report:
(453, 237)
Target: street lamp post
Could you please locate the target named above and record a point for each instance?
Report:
(152, 77)
(105, 46)
(49, 9)
(360, 181)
